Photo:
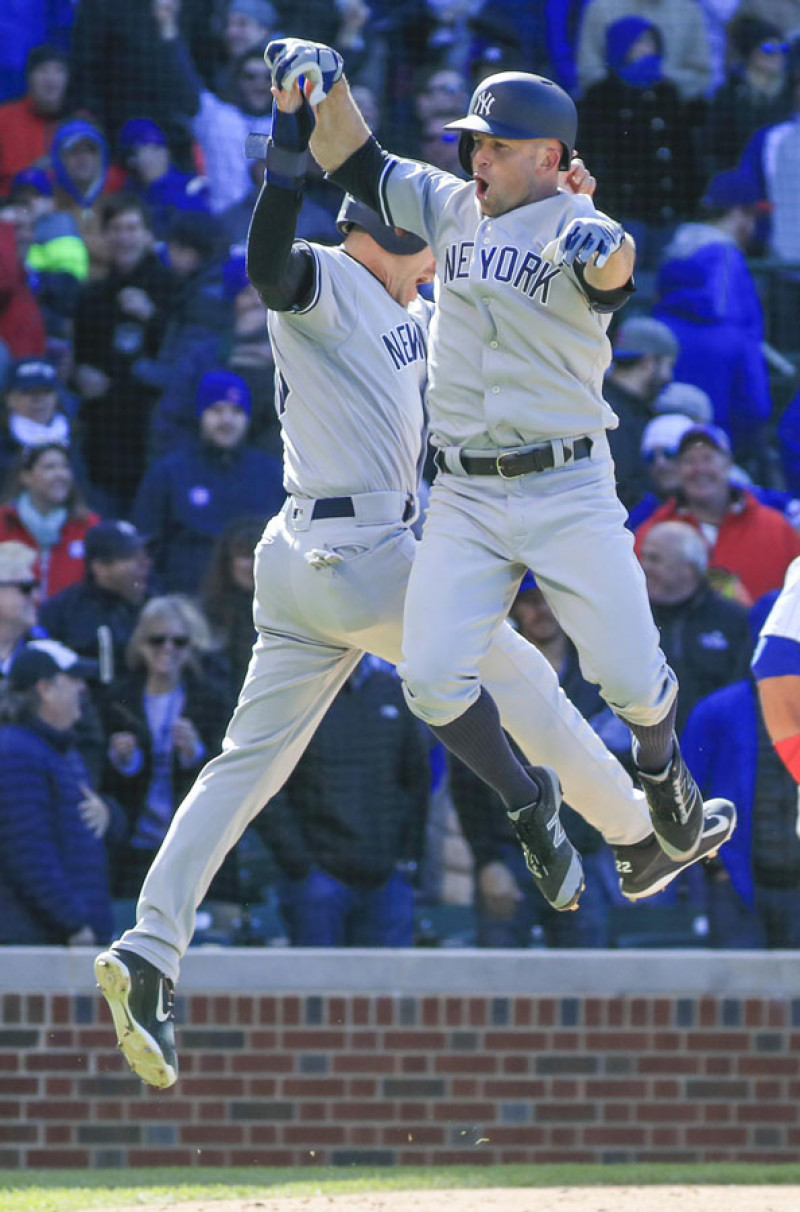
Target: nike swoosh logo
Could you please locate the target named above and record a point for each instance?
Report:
(714, 824)
(161, 1014)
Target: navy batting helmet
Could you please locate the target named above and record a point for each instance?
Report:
(518, 105)
(353, 213)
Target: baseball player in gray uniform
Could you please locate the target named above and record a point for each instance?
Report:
(331, 575)
(527, 278)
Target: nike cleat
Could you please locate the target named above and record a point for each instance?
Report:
(141, 1001)
(644, 869)
(676, 807)
(550, 856)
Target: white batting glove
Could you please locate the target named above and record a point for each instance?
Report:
(581, 239)
(288, 58)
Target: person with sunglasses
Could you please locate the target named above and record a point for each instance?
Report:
(163, 719)
(18, 596)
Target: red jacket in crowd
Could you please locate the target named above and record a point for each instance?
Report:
(754, 541)
(21, 326)
(63, 564)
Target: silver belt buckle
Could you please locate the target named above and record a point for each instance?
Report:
(509, 454)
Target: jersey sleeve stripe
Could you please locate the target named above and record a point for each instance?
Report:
(386, 213)
(775, 656)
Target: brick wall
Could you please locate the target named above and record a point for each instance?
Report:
(409, 1076)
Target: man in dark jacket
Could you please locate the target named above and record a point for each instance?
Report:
(705, 636)
(347, 830)
(644, 353)
(53, 863)
(96, 616)
(118, 321)
(188, 497)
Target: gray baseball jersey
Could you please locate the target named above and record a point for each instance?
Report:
(330, 586)
(518, 353)
(349, 385)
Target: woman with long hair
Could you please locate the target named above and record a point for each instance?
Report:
(164, 720)
(44, 508)
(226, 595)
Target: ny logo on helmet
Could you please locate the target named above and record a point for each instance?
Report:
(483, 104)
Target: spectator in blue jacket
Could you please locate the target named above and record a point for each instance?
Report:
(188, 497)
(152, 175)
(707, 296)
(54, 883)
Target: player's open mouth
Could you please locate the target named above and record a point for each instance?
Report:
(481, 186)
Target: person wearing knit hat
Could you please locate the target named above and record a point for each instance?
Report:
(685, 399)
(27, 125)
(189, 496)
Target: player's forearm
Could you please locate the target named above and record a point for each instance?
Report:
(340, 129)
(780, 706)
(617, 270)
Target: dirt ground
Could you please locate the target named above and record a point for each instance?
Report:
(518, 1199)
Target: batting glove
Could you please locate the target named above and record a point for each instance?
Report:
(288, 58)
(582, 238)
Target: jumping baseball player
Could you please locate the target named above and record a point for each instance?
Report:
(527, 278)
(776, 668)
(331, 574)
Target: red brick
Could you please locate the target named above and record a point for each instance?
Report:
(626, 1137)
(291, 1011)
(362, 1087)
(707, 1012)
(718, 1066)
(428, 1041)
(363, 1136)
(371, 1111)
(363, 1064)
(756, 1066)
(546, 1012)
(431, 1012)
(615, 1012)
(213, 1111)
(360, 1011)
(264, 1157)
(426, 1134)
(720, 1041)
(267, 1010)
(453, 1011)
(337, 1011)
(522, 1013)
(517, 1065)
(753, 1012)
(161, 1157)
(57, 1087)
(717, 1113)
(60, 1009)
(503, 1041)
(384, 1011)
(665, 1089)
(66, 1039)
(594, 1012)
(465, 1062)
(211, 1134)
(767, 1113)
(653, 1063)
(315, 1087)
(166, 1111)
(331, 1134)
(617, 1041)
(61, 1159)
(666, 1041)
(51, 1109)
(611, 1087)
(661, 1015)
(617, 1113)
(19, 1085)
(272, 1062)
(39, 1062)
(729, 1137)
(639, 1012)
(213, 1087)
(414, 1111)
(660, 1113)
(777, 1013)
(210, 1063)
(309, 1112)
(414, 1064)
(58, 1134)
(505, 1089)
(477, 1012)
(262, 1134)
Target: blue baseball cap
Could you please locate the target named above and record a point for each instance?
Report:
(32, 178)
(710, 435)
(32, 374)
(136, 131)
(222, 385)
(733, 188)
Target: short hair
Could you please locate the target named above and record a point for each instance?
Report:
(690, 543)
(123, 203)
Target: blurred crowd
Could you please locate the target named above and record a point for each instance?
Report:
(140, 458)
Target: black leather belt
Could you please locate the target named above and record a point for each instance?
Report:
(343, 507)
(518, 462)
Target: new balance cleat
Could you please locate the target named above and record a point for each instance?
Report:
(141, 1001)
(676, 807)
(644, 869)
(550, 856)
